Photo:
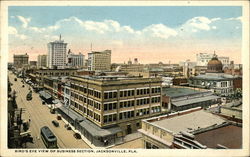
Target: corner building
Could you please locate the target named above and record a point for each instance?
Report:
(109, 102)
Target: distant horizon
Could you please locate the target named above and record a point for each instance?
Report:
(152, 34)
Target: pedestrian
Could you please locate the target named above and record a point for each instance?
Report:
(29, 120)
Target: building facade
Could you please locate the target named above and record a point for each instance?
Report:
(99, 61)
(113, 101)
(21, 60)
(214, 79)
(57, 54)
(75, 60)
(42, 61)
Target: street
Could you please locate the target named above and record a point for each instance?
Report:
(40, 116)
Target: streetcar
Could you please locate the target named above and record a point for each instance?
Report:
(48, 137)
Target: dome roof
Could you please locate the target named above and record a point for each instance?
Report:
(214, 65)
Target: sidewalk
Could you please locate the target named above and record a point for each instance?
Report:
(82, 136)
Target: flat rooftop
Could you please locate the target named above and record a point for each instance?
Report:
(229, 136)
(175, 92)
(189, 122)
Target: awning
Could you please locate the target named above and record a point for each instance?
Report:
(194, 100)
(92, 128)
(45, 95)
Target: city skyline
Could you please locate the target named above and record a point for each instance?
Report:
(166, 33)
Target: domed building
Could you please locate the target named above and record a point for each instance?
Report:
(214, 65)
(214, 79)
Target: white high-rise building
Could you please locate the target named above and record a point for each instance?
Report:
(57, 54)
(203, 58)
(75, 60)
(99, 61)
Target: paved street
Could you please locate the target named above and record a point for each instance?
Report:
(40, 116)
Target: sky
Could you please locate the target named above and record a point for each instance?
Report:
(149, 33)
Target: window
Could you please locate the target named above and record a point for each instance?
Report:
(114, 105)
(110, 106)
(105, 107)
(138, 124)
(105, 95)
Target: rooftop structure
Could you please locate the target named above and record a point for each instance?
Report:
(191, 129)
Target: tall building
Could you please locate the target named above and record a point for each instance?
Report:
(42, 61)
(21, 60)
(99, 61)
(109, 104)
(202, 59)
(75, 60)
(57, 54)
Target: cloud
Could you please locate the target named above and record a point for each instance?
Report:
(24, 20)
(235, 18)
(36, 29)
(13, 31)
(201, 23)
(76, 31)
(160, 31)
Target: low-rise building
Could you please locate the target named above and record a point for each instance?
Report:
(214, 79)
(178, 99)
(191, 129)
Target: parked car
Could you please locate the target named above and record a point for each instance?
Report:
(59, 117)
(15, 79)
(29, 96)
(52, 110)
(43, 102)
(55, 123)
(77, 136)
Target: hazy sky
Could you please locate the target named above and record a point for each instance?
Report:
(151, 34)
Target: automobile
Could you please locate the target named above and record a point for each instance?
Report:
(29, 96)
(69, 128)
(43, 102)
(23, 86)
(59, 117)
(52, 110)
(77, 136)
(15, 79)
(55, 123)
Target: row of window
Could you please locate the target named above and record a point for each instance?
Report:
(142, 101)
(155, 100)
(89, 113)
(86, 90)
(127, 93)
(110, 118)
(111, 95)
(90, 102)
(110, 106)
(124, 104)
(126, 115)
